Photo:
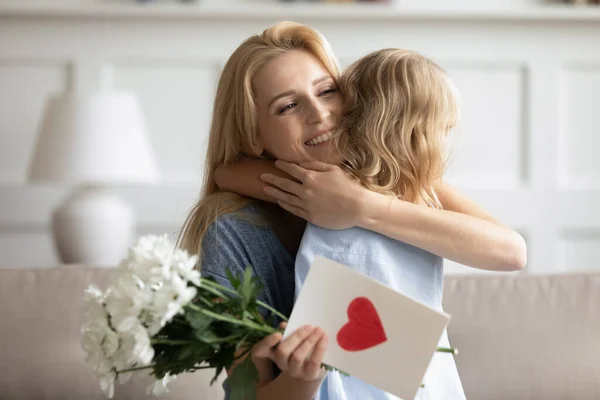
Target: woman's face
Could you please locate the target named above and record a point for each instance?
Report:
(297, 104)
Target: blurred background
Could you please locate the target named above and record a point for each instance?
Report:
(528, 73)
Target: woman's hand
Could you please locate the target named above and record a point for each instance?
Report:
(300, 355)
(324, 195)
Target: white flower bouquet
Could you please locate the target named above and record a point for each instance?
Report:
(158, 314)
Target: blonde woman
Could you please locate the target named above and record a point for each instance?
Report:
(232, 231)
(295, 119)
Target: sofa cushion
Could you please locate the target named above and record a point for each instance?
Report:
(526, 336)
(41, 355)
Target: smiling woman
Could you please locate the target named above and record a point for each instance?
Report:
(297, 102)
(276, 96)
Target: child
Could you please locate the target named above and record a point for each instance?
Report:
(398, 109)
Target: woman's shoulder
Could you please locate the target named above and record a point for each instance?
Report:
(244, 225)
(239, 239)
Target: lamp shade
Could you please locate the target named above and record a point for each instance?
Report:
(100, 138)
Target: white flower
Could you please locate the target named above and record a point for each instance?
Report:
(146, 291)
(127, 298)
(159, 387)
(107, 383)
(94, 312)
(100, 343)
(185, 266)
(170, 299)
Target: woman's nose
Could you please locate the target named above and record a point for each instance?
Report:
(318, 113)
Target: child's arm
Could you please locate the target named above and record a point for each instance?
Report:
(244, 178)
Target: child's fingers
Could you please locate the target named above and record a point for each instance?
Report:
(292, 169)
(284, 196)
(284, 184)
(316, 166)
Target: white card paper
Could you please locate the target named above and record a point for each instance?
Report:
(375, 333)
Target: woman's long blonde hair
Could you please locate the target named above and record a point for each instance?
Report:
(399, 106)
(233, 130)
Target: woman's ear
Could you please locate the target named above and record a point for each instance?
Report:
(257, 147)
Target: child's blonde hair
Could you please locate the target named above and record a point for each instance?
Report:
(233, 130)
(399, 107)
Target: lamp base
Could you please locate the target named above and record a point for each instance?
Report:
(93, 227)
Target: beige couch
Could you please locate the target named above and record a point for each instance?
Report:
(520, 337)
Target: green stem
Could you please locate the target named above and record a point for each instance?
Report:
(274, 311)
(206, 301)
(215, 285)
(222, 340)
(451, 350)
(213, 291)
(134, 369)
(172, 342)
(247, 324)
(206, 282)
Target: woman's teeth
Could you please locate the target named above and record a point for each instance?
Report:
(326, 137)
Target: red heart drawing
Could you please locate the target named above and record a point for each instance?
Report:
(364, 329)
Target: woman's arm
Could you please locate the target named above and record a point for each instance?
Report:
(244, 178)
(461, 232)
(299, 357)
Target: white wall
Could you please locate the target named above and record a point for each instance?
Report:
(530, 81)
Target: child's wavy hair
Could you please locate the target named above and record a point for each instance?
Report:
(399, 107)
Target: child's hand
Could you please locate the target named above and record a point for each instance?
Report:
(327, 196)
(300, 355)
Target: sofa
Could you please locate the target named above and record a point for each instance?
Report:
(519, 336)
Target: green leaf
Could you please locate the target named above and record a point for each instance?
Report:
(235, 282)
(243, 380)
(218, 371)
(198, 320)
(249, 288)
(207, 336)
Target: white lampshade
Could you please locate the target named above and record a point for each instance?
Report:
(99, 139)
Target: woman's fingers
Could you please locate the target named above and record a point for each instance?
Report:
(264, 348)
(283, 352)
(298, 359)
(282, 183)
(313, 364)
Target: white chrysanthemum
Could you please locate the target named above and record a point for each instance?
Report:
(98, 340)
(185, 266)
(126, 300)
(169, 301)
(152, 249)
(147, 289)
(159, 387)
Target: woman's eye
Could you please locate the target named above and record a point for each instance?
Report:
(328, 91)
(287, 107)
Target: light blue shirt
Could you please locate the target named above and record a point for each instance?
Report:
(404, 268)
